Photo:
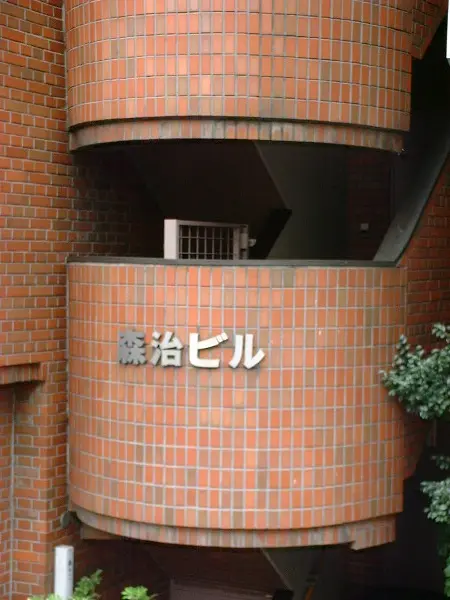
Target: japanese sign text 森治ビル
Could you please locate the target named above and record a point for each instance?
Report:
(167, 350)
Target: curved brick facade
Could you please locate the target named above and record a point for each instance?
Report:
(55, 206)
(306, 449)
(254, 70)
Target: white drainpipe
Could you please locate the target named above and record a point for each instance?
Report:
(63, 588)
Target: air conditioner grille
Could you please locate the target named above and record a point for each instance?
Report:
(204, 241)
(196, 240)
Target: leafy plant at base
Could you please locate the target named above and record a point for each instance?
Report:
(86, 588)
(137, 593)
(421, 383)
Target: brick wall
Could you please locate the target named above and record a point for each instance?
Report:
(49, 208)
(135, 472)
(427, 15)
(6, 412)
(428, 262)
(96, 207)
(259, 65)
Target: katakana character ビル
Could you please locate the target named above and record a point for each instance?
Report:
(195, 346)
(132, 348)
(250, 361)
(167, 351)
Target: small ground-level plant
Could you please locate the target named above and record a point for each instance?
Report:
(137, 593)
(86, 589)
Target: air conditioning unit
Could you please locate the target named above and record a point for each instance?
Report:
(198, 240)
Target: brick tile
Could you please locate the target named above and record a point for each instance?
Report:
(266, 63)
(293, 428)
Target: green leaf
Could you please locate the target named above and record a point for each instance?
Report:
(86, 587)
(137, 593)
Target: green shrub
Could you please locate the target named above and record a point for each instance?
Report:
(421, 383)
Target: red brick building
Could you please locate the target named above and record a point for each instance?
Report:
(291, 119)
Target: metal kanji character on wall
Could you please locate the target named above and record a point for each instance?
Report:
(166, 351)
(250, 360)
(195, 346)
(132, 350)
